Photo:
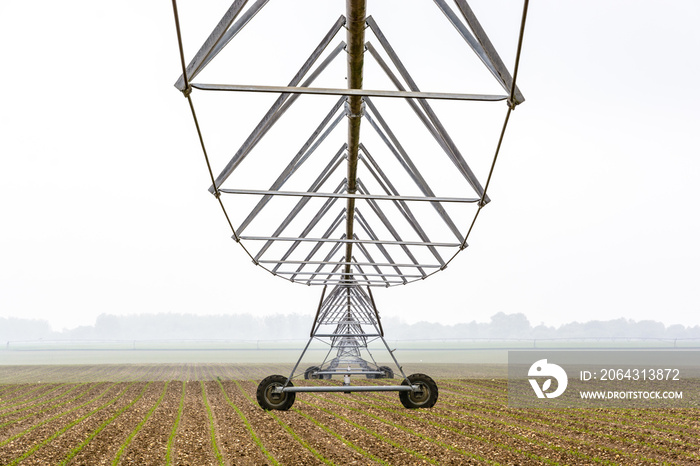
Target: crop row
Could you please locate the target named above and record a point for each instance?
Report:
(12, 376)
(142, 417)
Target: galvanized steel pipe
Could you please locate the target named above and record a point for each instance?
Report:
(356, 11)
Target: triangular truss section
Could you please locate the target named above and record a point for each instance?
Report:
(363, 212)
(380, 225)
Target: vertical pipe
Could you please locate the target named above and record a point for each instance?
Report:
(356, 11)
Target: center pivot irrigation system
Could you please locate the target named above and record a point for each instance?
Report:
(351, 210)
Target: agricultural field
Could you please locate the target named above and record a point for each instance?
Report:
(207, 414)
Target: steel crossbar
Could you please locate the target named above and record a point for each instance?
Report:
(334, 244)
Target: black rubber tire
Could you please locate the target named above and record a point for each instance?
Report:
(426, 398)
(308, 373)
(388, 372)
(268, 400)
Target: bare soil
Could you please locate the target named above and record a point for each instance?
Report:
(470, 424)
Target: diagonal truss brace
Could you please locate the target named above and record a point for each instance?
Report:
(283, 102)
(481, 45)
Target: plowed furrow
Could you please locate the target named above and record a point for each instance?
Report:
(192, 445)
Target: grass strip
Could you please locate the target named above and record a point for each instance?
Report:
(57, 405)
(301, 440)
(61, 431)
(523, 438)
(8, 403)
(286, 427)
(513, 435)
(417, 434)
(133, 433)
(19, 410)
(616, 414)
(555, 425)
(9, 391)
(72, 454)
(33, 399)
(35, 426)
(212, 428)
(472, 436)
(173, 431)
(402, 412)
(408, 430)
(257, 441)
(615, 423)
(374, 434)
(7, 388)
(361, 451)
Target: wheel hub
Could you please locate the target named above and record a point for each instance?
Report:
(421, 394)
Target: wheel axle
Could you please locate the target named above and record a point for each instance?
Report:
(416, 391)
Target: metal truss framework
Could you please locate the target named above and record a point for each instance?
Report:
(343, 244)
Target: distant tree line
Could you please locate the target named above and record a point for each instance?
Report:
(296, 327)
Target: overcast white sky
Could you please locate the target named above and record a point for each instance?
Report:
(103, 190)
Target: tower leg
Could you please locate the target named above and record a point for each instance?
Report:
(339, 322)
